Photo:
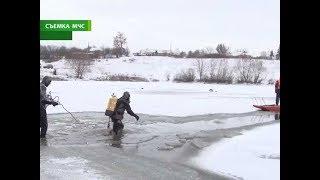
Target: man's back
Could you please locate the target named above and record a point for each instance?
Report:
(43, 96)
(122, 106)
(277, 85)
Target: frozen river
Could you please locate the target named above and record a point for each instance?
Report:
(157, 147)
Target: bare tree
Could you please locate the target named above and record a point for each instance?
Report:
(250, 71)
(263, 55)
(185, 76)
(209, 50)
(222, 50)
(80, 64)
(278, 53)
(182, 54)
(244, 71)
(190, 54)
(224, 73)
(271, 54)
(119, 42)
(196, 54)
(127, 52)
(220, 72)
(49, 53)
(213, 66)
(258, 71)
(44, 53)
(201, 68)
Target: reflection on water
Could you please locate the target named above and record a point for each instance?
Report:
(116, 139)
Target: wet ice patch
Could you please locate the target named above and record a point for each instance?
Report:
(188, 128)
(174, 144)
(165, 147)
(199, 144)
(68, 168)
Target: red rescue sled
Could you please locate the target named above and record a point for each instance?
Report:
(273, 107)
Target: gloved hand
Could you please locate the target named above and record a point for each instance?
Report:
(54, 103)
(137, 117)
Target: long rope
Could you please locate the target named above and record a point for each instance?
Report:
(69, 112)
(59, 103)
(263, 100)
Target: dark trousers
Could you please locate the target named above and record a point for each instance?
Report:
(117, 125)
(278, 97)
(43, 122)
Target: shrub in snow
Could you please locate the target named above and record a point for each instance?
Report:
(48, 66)
(122, 77)
(54, 78)
(271, 81)
(58, 79)
(201, 68)
(185, 76)
(69, 76)
(220, 73)
(250, 71)
(79, 67)
(132, 60)
(258, 72)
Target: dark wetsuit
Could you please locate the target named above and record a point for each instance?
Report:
(44, 102)
(122, 106)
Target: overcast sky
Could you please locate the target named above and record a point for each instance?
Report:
(185, 24)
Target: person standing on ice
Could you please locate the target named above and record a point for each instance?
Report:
(277, 91)
(44, 102)
(123, 104)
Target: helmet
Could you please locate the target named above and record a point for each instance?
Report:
(126, 95)
(46, 80)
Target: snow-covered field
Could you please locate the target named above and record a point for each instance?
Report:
(253, 155)
(161, 98)
(148, 67)
(165, 98)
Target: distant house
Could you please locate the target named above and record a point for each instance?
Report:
(92, 49)
(95, 53)
(108, 56)
(163, 53)
(137, 54)
(81, 55)
(152, 52)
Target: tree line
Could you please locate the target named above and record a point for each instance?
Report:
(222, 51)
(120, 48)
(53, 53)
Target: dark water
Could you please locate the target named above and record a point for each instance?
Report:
(155, 146)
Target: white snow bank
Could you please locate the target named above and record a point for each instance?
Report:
(253, 155)
(160, 98)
